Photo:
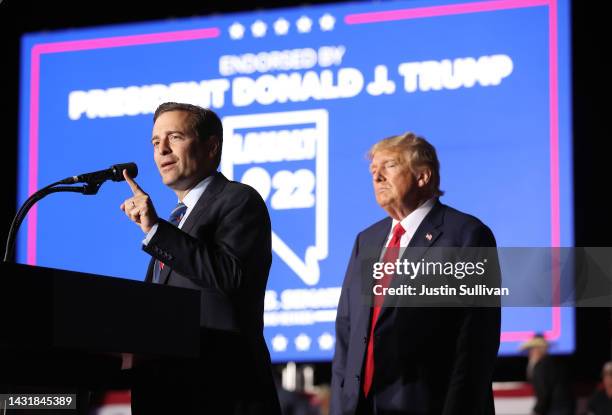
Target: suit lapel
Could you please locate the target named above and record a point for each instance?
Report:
(426, 234)
(374, 243)
(377, 239)
(214, 188)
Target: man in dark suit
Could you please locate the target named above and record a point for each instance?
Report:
(550, 378)
(217, 241)
(411, 360)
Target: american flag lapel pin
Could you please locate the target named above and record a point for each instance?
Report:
(428, 236)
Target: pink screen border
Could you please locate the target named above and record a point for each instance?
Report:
(351, 19)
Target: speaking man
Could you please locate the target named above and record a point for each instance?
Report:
(217, 240)
(411, 360)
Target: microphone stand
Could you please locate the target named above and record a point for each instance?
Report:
(90, 188)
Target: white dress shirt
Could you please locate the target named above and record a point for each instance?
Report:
(410, 224)
(190, 200)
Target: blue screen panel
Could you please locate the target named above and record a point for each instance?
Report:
(303, 94)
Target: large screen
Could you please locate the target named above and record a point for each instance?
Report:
(303, 94)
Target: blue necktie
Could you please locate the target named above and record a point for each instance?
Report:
(175, 218)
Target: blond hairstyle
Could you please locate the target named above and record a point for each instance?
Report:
(417, 152)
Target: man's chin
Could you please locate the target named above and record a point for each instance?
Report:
(169, 180)
(383, 201)
(177, 184)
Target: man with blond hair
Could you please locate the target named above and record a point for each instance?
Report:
(411, 360)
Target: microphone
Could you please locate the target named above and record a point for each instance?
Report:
(114, 173)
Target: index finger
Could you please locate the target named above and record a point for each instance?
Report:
(133, 185)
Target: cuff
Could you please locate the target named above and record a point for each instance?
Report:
(150, 235)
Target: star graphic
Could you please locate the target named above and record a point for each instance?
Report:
(304, 24)
(326, 341)
(302, 342)
(281, 27)
(259, 28)
(236, 31)
(279, 343)
(327, 22)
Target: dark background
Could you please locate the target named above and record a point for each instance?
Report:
(593, 223)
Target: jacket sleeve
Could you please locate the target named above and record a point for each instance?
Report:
(343, 331)
(470, 388)
(239, 240)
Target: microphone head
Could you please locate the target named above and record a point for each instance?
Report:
(117, 170)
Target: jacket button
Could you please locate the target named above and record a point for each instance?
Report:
(365, 339)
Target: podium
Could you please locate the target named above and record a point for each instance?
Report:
(68, 329)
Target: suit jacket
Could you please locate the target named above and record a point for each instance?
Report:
(553, 387)
(224, 251)
(428, 360)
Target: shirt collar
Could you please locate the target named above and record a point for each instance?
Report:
(411, 222)
(192, 197)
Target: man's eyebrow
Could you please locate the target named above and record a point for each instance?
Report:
(385, 160)
(155, 137)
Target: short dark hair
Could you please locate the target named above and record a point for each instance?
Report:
(203, 122)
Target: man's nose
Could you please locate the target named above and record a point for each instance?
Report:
(377, 176)
(164, 148)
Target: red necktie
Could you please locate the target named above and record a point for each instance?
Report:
(391, 255)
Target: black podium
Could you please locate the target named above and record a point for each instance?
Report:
(62, 329)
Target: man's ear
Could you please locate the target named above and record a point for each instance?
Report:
(213, 146)
(423, 177)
